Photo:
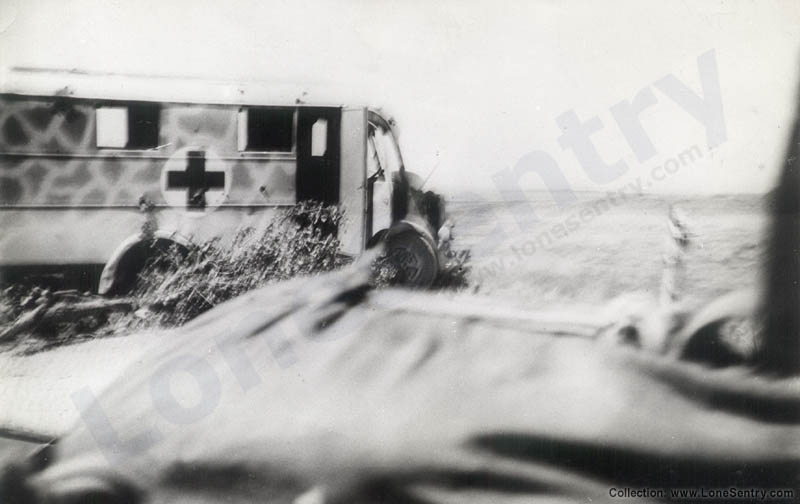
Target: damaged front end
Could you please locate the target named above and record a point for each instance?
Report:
(411, 222)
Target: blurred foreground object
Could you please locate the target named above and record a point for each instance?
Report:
(323, 390)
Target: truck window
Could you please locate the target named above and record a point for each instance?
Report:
(266, 129)
(128, 126)
(319, 137)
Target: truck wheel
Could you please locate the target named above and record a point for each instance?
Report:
(414, 258)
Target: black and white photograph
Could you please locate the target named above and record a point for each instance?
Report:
(399, 251)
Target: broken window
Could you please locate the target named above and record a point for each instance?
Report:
(267, 129)
(382, 152)
(128, 126)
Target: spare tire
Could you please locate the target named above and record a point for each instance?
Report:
(414, 257)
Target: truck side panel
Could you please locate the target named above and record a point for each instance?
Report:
(64, 200)
(353, 179)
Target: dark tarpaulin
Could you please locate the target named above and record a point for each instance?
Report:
(323, 391)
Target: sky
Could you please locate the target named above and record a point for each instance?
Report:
(476, 87)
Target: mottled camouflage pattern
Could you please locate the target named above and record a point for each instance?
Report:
(48, 156)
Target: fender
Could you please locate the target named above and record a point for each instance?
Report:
(110, 272)
(400, 227)
(407, 225)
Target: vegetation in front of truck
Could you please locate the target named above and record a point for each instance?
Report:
(177, 284)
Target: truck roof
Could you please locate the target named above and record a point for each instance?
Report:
(80, 84)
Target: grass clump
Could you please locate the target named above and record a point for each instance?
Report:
(178, 284)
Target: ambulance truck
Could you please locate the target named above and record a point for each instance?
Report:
(86, 160)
